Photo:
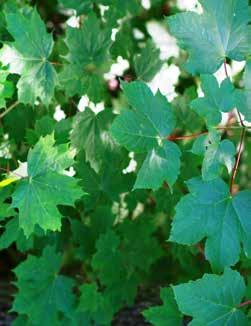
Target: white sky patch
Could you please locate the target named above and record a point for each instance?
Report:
(86, 103)
(163, 40)
(165, 80)
(73, 21)
(5, 147)
(117, 69)
(220, 74)
(191, 5)
(21, 171)
(114, 33)
(237, 67)
(138, 35)
(146, 4)
(59, 114)
(70, 173)
(132, 164)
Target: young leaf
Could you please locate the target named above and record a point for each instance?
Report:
(213, 299)
(42, 293)
(243, 97)
(216, 154)
(210, 211)
(216, 99)
(94, 305)
(38, 195)
(221, 31)
(148, 62)
(28, 56)
(90, 134)
(167, 314)
(88, 50)
(145, 129)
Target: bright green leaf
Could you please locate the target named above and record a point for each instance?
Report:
(29, 56)
(221, 31)
(38, 195)
(213, 299)
(210, 212)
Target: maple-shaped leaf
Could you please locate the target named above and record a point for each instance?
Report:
(42, 293)
(28, 56)
(216, 99)
(94, 305)
(243, 97)
(90, 133)
(211, 212)
(147, 63)
(145, 128)
(216, 154)
(213, 299)
(6, 87)
(221, 31)
(166, 314)
(88, 50)
(121, 286)
(45, 187)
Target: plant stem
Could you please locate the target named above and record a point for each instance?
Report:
(237, 162)
(243, 304)
(10, 108)
(192, 136)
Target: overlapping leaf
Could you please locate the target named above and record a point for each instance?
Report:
(88, 50)
(167, 314)
(221, 31)
(213, 299)
(145, 129)
(217, 154)
(210, 212)
(29, 56)
(38, 195)
(216, 99)
(243, 97)
(42, 293)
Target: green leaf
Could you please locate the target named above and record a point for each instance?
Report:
(216, 99)
(80, 6)
(6, 87)
(145, 129)
(147, 63)
(97, 308)
(217, 154)
(90, 133)
(213, 299)
(29, 56)
(167, 314)
(221, 31)
(38, 195)
(161, 164)
(42, 293)
(88, 50)
(243, 97)
(210, 211)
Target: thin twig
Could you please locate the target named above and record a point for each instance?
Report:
(237, 162)
(10, 108)
(192, 136)
(243, 304)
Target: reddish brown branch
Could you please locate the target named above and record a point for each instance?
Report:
(243, 304)
(174, 137)
(237, 162)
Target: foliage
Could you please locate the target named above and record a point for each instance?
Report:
(114, 184)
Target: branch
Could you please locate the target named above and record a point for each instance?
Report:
(10, 108)
(243, 304)
(237, 162)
